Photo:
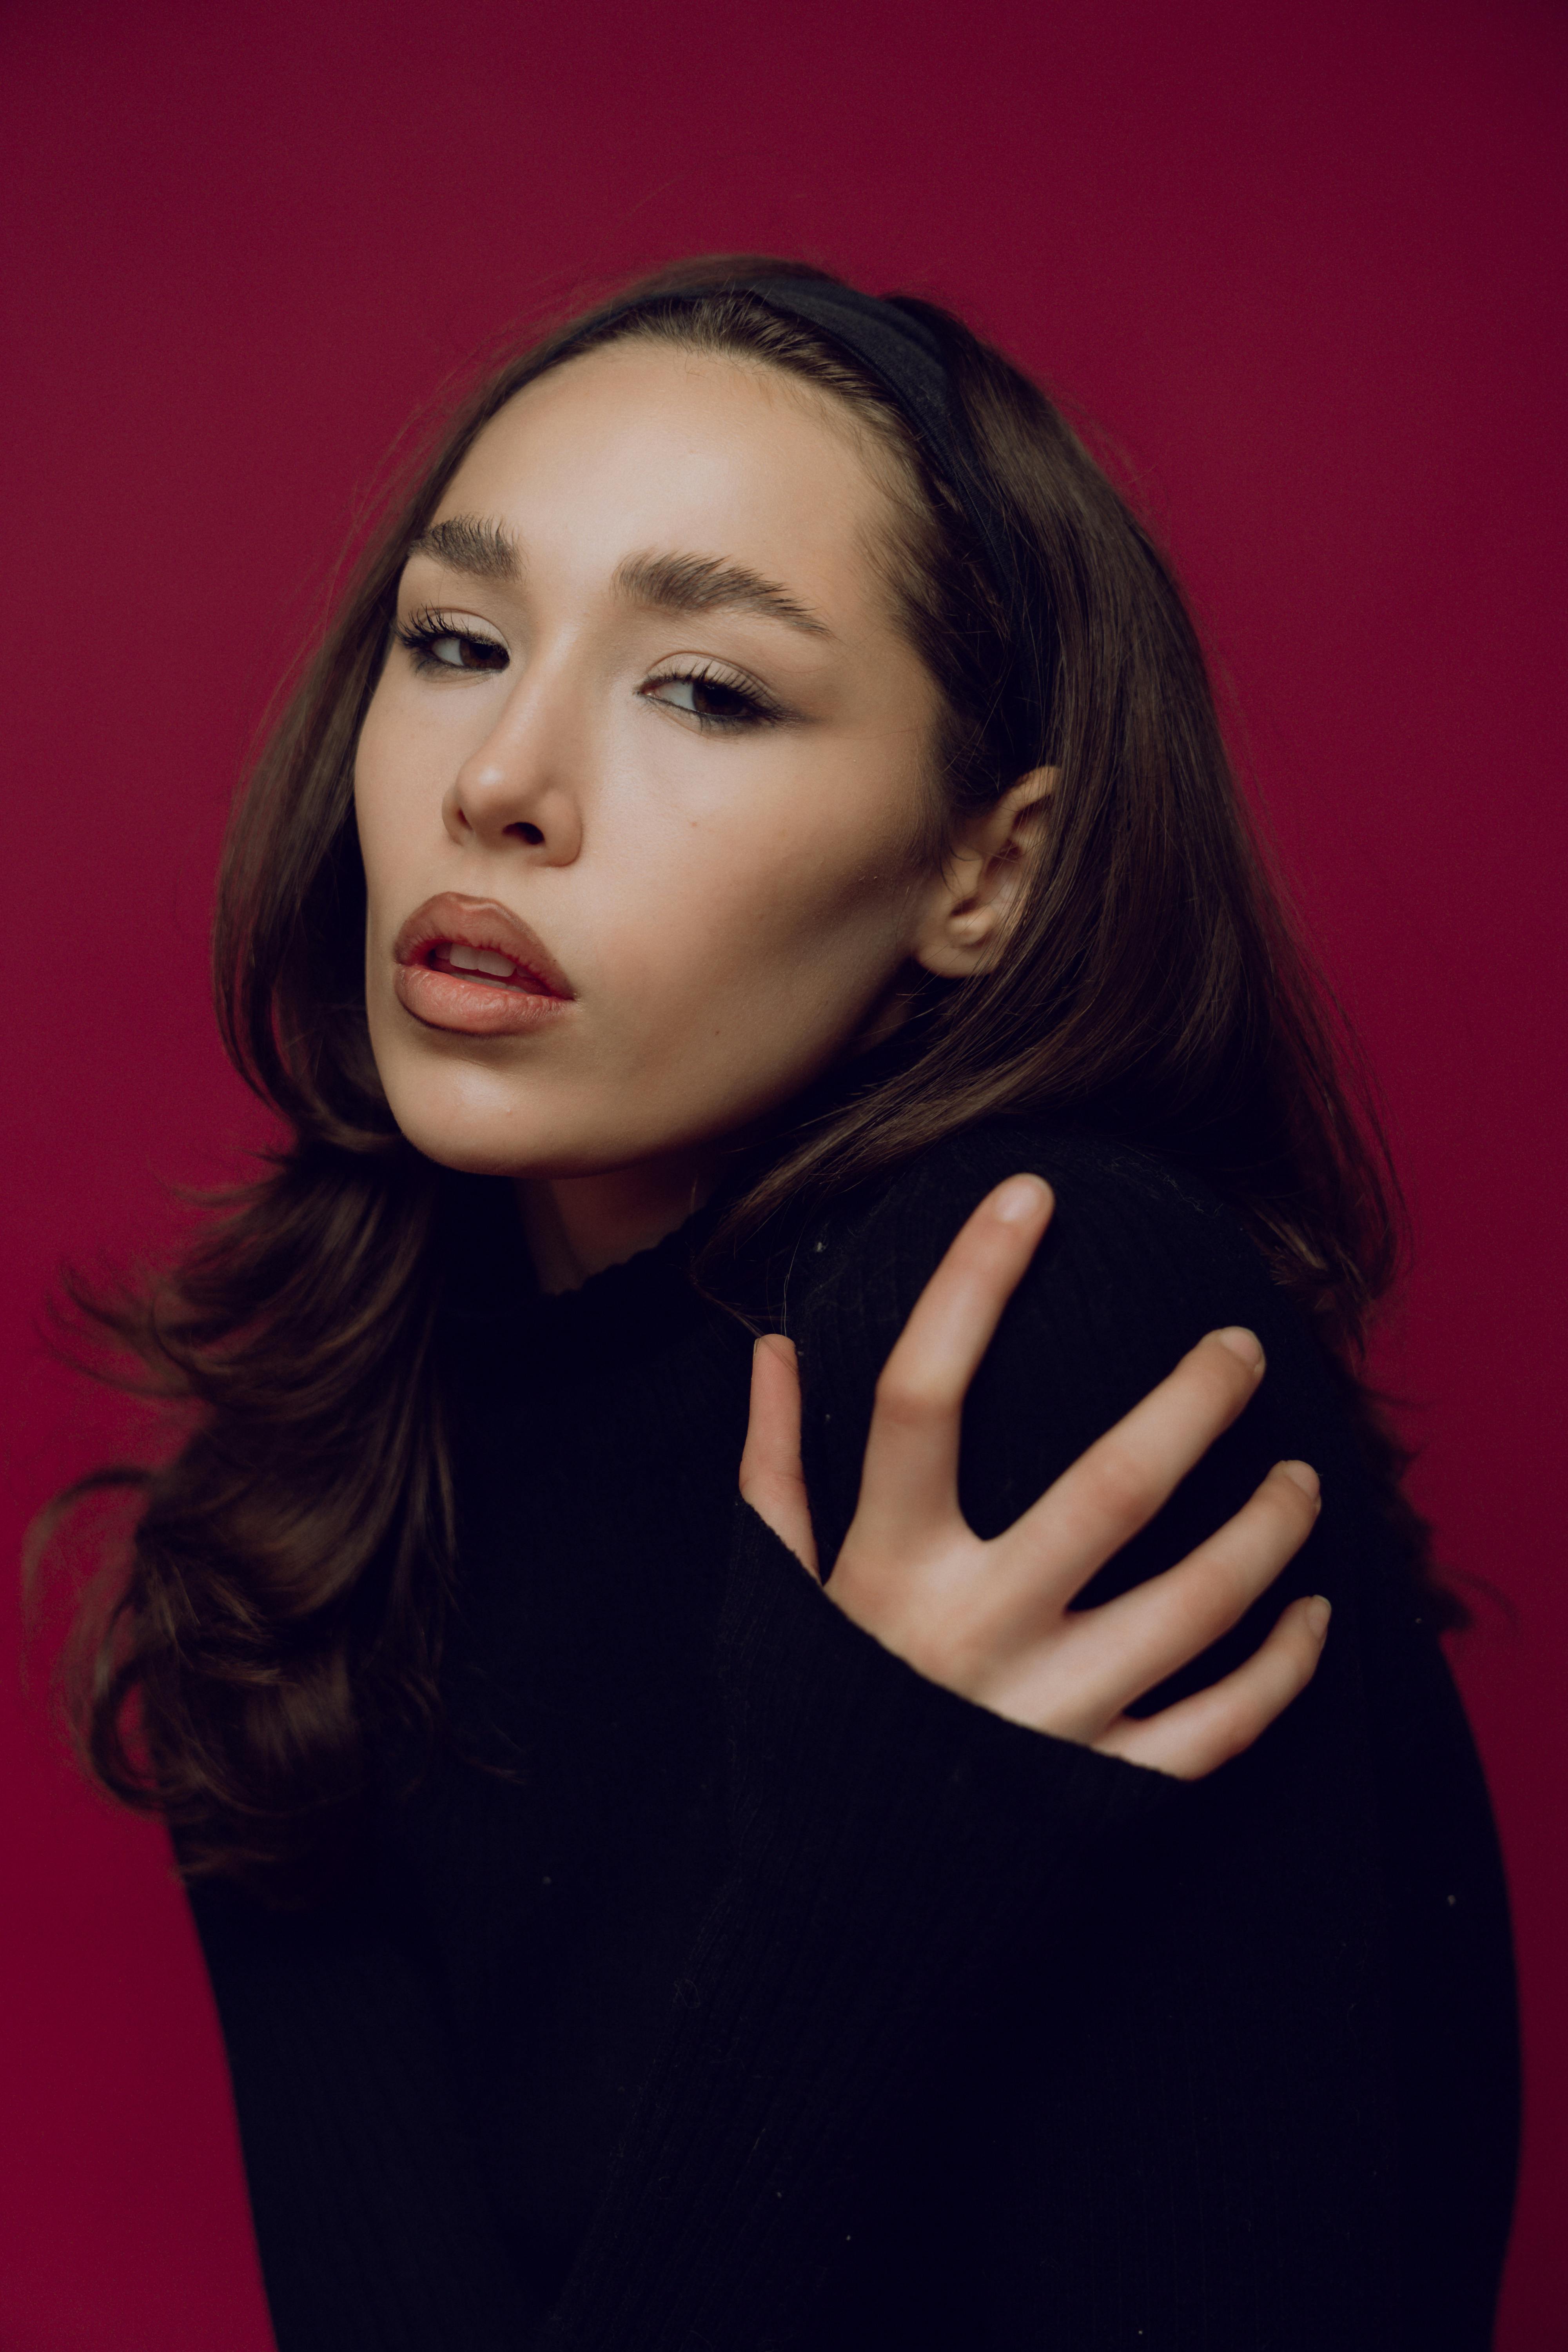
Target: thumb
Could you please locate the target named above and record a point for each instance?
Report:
(772, 1479)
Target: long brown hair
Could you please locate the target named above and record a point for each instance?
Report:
(285, 1579)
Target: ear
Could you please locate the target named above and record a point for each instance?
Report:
(970, 901)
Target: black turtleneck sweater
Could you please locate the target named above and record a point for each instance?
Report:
(725, 1984)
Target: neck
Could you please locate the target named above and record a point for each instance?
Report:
(577, 1226)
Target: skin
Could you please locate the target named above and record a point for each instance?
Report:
(706, 798)
(992, 1620)
(736, 907)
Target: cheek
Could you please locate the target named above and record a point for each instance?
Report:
(720, 925)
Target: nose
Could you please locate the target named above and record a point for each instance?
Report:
(518, 789)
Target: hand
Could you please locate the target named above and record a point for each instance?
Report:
(991, 1621)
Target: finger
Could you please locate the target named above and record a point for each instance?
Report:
(1198, 1735)
(911, 1474)
(1116, 1487)
(772, 1479)
(1127, 1646)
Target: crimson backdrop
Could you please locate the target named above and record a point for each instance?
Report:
(1301, 264)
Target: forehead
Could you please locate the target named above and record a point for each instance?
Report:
(646, 444)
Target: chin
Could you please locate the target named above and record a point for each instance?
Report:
(465, 1119)
(484, 1130)
(471, 1156)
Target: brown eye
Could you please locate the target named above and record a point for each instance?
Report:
(709, 699)
(454, 652)
(431, 646)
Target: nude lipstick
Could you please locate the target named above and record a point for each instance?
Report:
(471, 966)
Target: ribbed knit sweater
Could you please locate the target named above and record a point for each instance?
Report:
(723, 1983)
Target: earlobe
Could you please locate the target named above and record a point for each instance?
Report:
(982, 881)
(957, 945)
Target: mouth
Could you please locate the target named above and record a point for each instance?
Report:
(472, 966)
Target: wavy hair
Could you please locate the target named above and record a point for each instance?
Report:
(285, 1581)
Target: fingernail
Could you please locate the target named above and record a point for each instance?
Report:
(1242, 1343)
(1317, 1613)
(1017, 1200)
(1302, 1475)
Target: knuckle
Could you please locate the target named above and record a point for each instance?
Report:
(907, 1401)
(1265, 1539)
(1255, 1546)
(1183, 1753)
(1118, 1483)
(1229, 1729)
(1223, 1746)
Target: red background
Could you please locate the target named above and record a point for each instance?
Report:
(1301, 263)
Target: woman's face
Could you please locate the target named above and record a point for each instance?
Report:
(639, 789)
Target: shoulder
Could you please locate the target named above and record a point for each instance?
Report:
(1139, 1260)
(1132, 1237)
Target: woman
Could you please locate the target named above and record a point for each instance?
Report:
(755, 855)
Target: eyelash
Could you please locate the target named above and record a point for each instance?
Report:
(760, 710)
(422, 630)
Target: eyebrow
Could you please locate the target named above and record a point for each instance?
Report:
(706, 583)
(484, 549)
(470, 543)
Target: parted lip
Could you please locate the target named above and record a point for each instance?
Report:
(453, 920)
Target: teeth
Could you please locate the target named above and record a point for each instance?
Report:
(485, 959)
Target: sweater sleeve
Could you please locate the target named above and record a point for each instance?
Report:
(1276, 2104)
(887, 1835)
(1151, 2040)
(1134, 2037)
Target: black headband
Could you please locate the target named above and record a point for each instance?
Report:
(908, 360)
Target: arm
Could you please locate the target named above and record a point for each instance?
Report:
(993, 1619)
(885, 1831)
(1171, 2100)
(1203, 2131)
(891, 1833)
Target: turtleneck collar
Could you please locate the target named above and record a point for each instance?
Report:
(489, 1277)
